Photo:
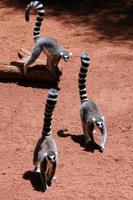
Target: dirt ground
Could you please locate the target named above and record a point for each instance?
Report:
(80, 174)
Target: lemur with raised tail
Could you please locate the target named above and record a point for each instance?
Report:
(91, 116)
(50, 46)
(45, 154)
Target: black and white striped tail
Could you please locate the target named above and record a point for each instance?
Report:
(85, 61)
(49, 109)
(39, 7)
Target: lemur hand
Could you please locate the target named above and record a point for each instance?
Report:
(101, 149)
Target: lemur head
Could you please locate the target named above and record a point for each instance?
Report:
(99, 121)
(85, 59)
(65, 55)
(51, 157)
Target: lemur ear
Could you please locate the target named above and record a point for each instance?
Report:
(70, 54)
(45, 154)
(93, 119)
(61, 53)
(102, 117)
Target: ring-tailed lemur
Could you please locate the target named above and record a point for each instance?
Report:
(50, 46)
(90, 114)
(45, 153)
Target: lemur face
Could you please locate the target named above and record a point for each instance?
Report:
(99, 122)
(65, 55)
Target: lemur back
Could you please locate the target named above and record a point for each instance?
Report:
(90, 114)
(45, 154)
(53, 50)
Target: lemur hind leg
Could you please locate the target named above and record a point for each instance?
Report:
(52, 63)
(36, 159)
(89, 131)
(90, 143)
(33, 57)
(51, 175)
(43, 174)
(86, 136)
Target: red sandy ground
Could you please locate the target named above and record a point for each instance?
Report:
(80, 174)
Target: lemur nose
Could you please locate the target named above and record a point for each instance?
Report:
(100, 124)
(66, 59)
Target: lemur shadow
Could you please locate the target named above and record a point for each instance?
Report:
(35, 180)
(30, 83)
(89, 147)
(38, 76)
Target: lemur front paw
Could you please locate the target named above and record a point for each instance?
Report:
(101, 149)
(50, 182)
(36, 170)
(44, 188)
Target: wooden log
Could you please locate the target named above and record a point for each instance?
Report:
(24, 53)
(36, 72)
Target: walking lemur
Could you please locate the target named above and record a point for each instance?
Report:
(45, 153)
(90, 114)
(50, 46)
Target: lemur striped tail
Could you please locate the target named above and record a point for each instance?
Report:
(39, 7)
(85, 61)
(49, 109)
